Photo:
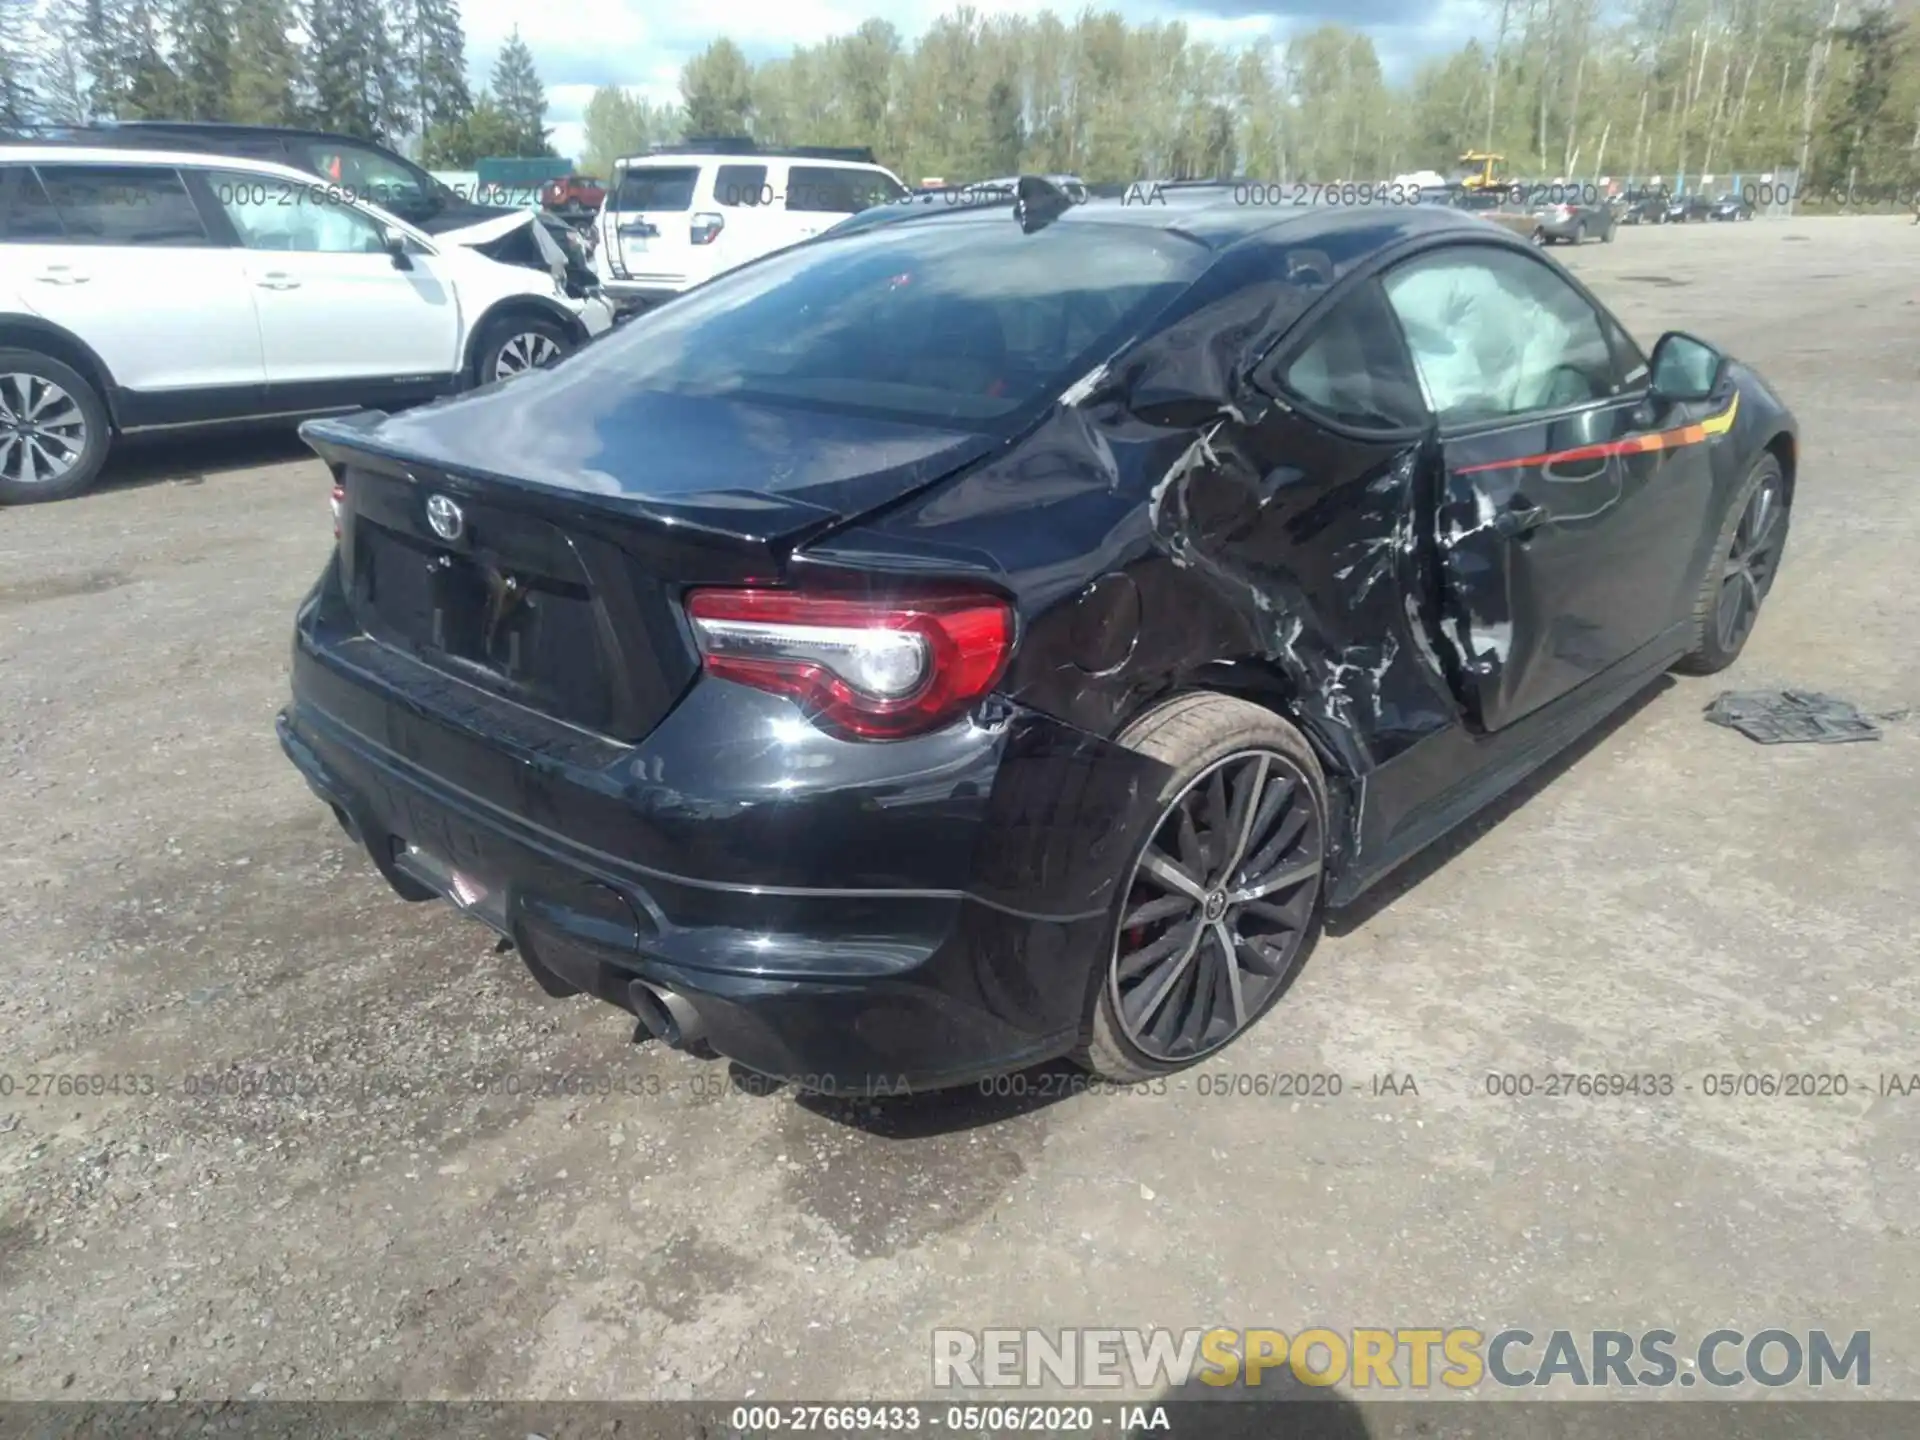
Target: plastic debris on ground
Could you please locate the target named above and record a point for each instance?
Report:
(1791, 717)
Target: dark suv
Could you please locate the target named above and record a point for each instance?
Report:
(368, 171)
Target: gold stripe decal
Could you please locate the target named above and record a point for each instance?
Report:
(1723, 422)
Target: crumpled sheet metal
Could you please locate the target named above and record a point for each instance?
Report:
(1791, 717)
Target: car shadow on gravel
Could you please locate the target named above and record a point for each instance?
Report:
(142, 460)
(1241, 1412)
(1456, 842)
(991, 1102)
(929, 1113)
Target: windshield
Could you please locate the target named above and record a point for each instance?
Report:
(938, 324)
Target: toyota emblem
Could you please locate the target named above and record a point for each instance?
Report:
(445, 517)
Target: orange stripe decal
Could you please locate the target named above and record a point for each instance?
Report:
(1633, 445)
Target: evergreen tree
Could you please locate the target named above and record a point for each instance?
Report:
(1006, 128)
(521, 98)
(266, 65)
(203, 58)
(152, 87)
(18, 103)
(434, 59)
(353, 76)
(103, 56)
(62, 80)
(484, 132)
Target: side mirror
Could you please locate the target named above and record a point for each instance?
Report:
(395, 245)
(1686, 368)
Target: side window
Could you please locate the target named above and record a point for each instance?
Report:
(735, 185)
(27, 216)
(838, 190)
(1353, 368)
(142, 205)
(273, 214)
(1495, 333)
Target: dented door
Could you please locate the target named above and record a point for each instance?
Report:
(1566, 545)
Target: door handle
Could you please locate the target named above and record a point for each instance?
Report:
(62, 275)
(277, 281)
(1521, 517)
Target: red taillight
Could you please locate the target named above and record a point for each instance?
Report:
(706, 227)
(878, 669)
(339, 499)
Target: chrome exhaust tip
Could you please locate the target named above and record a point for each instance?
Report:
(665, 1016)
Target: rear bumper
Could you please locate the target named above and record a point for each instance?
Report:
(906, 916)
(629, 294)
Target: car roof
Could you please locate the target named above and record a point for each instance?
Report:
(1215, 214)
(38, 153)
(138, 131)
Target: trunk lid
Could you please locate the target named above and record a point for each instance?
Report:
(579, 518)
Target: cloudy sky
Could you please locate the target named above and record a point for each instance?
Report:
(580, 45)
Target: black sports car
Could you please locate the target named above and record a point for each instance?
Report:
(1730, 207)
(1004, 633)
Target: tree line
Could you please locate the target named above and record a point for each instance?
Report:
(1561, 89)
(387, 70)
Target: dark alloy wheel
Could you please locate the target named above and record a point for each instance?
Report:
(1222, 904)
(1746, 558)
(1752, 559)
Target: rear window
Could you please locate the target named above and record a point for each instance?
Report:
(961, 325)
(657, 187)
(838, 189)
(123, 205)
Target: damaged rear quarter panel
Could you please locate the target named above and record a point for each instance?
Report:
(1226, 543)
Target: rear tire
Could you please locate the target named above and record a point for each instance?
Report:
(1221, 906)
(1740, 570)
(54, 430)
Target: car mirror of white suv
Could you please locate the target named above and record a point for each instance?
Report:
(395, 244)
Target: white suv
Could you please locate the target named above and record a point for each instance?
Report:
(679, 216)
(145, 290)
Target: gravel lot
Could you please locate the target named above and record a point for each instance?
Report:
(427, 1215)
